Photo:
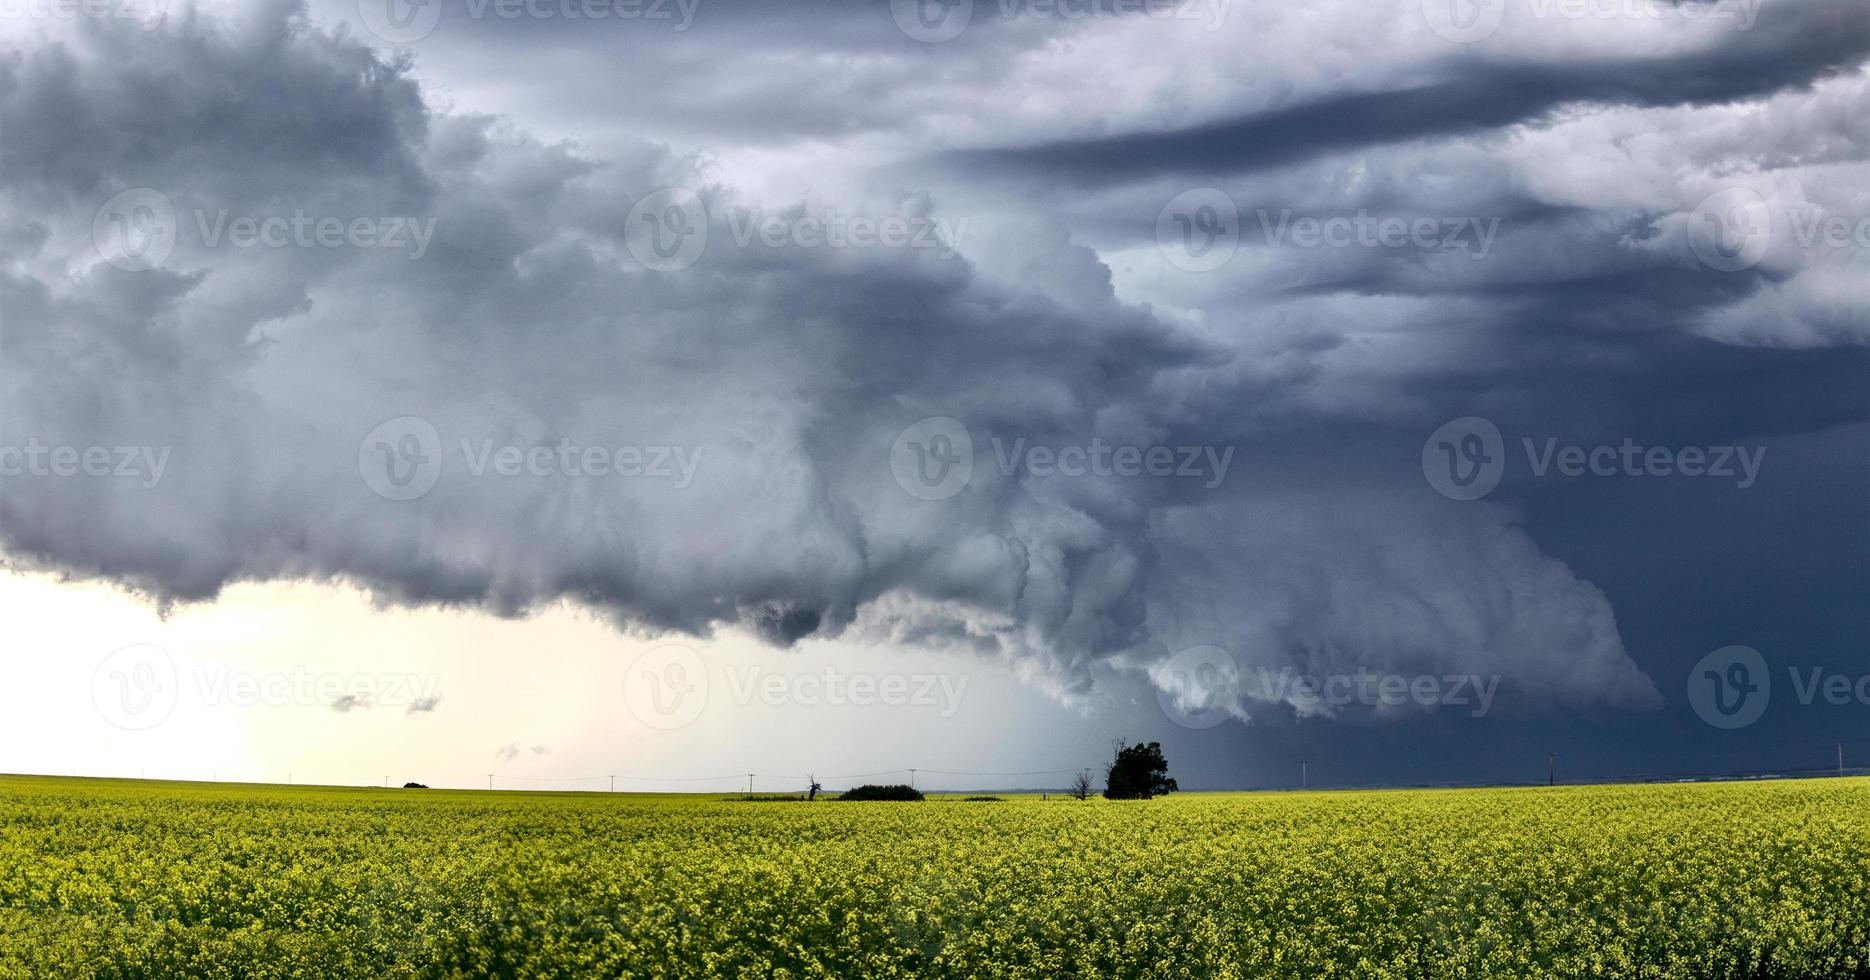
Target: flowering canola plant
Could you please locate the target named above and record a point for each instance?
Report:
(133, 879)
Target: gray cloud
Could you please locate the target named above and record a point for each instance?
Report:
(787, 372)
(1793, 45)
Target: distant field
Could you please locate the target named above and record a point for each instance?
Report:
(129, 879)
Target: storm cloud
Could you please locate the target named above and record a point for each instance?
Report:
(385, 341)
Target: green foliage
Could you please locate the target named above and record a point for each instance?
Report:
(897, 793)
(1138, 773)
(134, 880)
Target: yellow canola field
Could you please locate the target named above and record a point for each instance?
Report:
(104, 878)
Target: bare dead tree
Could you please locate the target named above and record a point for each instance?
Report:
(1081, 785)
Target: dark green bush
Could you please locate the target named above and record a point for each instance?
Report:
(896, 793)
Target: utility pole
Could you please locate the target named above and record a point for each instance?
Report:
(749, 784)
(1551, 769)
(1305, 776)
(912, 779)
(613, 784)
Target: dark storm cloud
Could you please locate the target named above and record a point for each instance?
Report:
(1792, 45)
(769, 382)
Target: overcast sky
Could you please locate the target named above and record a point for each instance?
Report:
(555, 389)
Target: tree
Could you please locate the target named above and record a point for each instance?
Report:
(1137, 773)
(896, 792)
(1081, 785)
(815, 788)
